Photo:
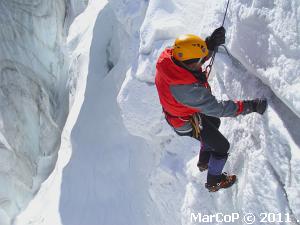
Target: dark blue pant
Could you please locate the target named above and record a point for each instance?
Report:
(215, 146)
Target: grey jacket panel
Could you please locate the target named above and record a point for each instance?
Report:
(186, 128)
(199, 97)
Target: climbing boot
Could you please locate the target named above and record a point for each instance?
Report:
(215, 183)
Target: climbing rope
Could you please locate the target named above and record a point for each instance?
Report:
(209, 67)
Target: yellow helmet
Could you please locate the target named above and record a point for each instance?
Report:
(189, 46)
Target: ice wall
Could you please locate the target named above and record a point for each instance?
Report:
(34, 95)
(271, 50)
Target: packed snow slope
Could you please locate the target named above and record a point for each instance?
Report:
(127, 165)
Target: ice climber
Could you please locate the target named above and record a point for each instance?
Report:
(191, 108)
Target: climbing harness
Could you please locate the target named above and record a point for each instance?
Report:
(196, 123)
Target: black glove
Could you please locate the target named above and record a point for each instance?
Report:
(216, 39)
(257, 105)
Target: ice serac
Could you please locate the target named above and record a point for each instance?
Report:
(106, 180)
(33, 97)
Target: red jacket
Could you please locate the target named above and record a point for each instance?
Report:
(167, 74)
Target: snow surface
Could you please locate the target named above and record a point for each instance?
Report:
(127, 166)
